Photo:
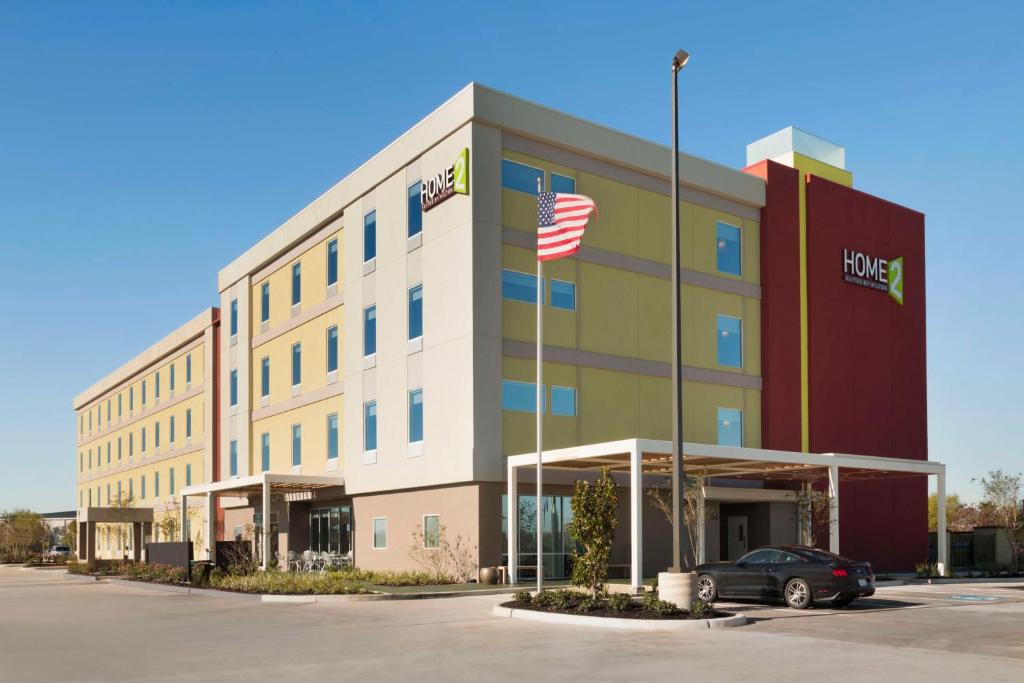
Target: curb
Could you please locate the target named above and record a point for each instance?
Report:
(83, 578)
(621, 624)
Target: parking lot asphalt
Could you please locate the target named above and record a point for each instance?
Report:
(52, 628)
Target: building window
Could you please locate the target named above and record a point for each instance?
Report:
(520, 177)
(108, 452)
(728, 247)
(81, 425)
(171, 387)
(563, 401)
(234, 317)
(188, 369)
(415, 209)
(131, 490)
(370, 236)
(233, 461)
(156, 484)
(265, 451)
(90, 458)
(188, 423)
(118, 449)
(170, 480)
(517, 286)
(143, 393)
(142, 487)
(108, 408)
(415, 415)
(131, 444)
(730, 341)
(563, 295)
(563, 184)
(170, 435)
(431, 532)
(143, 440)
(156, 388)
(81, 462)
(380, 533)
(119, 396)
(730, 427)
(265, 302)
(332, 348)
(370, 426)
(332, 436)
(370, 331)
(233, 388)
(188, 474)
(416, 312)
(156, 435)
(296, 284)
(131, 399)
(296, 364)
(520, 397)
(265, 377)
(296, 445)
(332, 262)
(108, 496)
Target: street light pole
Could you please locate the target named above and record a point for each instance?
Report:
(678, 518)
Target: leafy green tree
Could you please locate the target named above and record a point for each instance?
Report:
(1000, 495)
(593, 527)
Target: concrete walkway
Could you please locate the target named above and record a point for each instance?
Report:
(55, 629)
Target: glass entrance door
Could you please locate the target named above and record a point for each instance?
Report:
(330, 529)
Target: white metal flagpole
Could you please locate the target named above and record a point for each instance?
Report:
(540, 410)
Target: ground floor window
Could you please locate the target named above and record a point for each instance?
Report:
(558, 542)
(330, 530)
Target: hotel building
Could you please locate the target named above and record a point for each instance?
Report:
(377, 363)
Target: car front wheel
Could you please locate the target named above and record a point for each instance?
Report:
(707, 589)
(798, 594)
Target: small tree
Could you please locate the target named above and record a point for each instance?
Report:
(445, 560)
(1001, 500)
(122, 530)
(695, 512)
(814, 510)
(593, 526)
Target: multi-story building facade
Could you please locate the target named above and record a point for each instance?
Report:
(378, 363)
(145, 432)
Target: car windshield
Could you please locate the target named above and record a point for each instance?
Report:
(822, 556)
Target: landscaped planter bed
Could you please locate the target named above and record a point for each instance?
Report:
(608, 613)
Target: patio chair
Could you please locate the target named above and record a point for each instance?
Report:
(307, 560)
(294, 561)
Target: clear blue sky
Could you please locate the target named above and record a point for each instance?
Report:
(143, 146)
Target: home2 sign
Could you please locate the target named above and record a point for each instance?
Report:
(885, 275)
(449, 182)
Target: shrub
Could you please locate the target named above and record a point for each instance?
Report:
(593, 526)
(620, 602)
(544, 599)
(665, 609)
(80, 568)
(286, 583)
(649, 600)
(522, 598)
(701, 610)
(926, 569)
(392, 578)
(588, 603)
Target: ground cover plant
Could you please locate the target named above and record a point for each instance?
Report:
(619, 605)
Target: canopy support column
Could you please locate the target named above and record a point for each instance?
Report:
(942, 561)
(833, 504)
(211, 524)
(265, 526)
(184, 518)
(701, 522)
(636, 520)
(512, 517)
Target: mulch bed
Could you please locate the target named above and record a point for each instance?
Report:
(633, 613)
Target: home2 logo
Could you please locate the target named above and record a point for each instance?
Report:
(876, 273)
(449, 182)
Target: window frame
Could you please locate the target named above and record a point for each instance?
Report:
(296, 373)
(367, 405)
(718, 425)
(575, 401)
(739, 246)
(543, 178)
(533, 277)
(265, 451)
(422, 421)
(332, 349)
(265, 303)
(424, 522)
(411, 291)
(296, 279)
(332, 261)
(366, 311)
(367, 257)
(373, 525)
(336, 437)
(555, 281)
(533, 393)
(718, 334)
(233, 458)
(418, 185)
(296, 435)
(551, 182)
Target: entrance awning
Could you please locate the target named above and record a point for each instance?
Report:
(640, 457)
(263, 484)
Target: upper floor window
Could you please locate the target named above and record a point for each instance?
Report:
(296, 445)
(156, 436)
(415, 415)
(81, 462)
(108, 452)
(171, 378)
(332, 436)
(188, 423)
(265, 451)
(370, 236)
(520, 177)
(156, 385)
(563, 401)
(415, 209)
(170, 431)
(332, 262)
(518, 286)
(332, 348)
(296, 364)
(370, 331)
(170, 480)
(119, 406)
(265, 302)
(188, 474)
(563, 295)
(131, 399)
(416, 312)
(108, 409)
(518, 396)
(265, 377)
(730, 427)
(730, 341)
(156, 484)
(188, 369)
(728, 247)
(563, 184)
(233, 388)
(370, 426)
(296, 283)
(143, 392)
(131, 444)
(118, 448)
(143, 444)
(233, 458)
(234, 318)
(81, 424)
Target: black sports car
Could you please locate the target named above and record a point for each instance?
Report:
(796, 574)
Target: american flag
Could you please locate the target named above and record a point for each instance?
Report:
(561, 220)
